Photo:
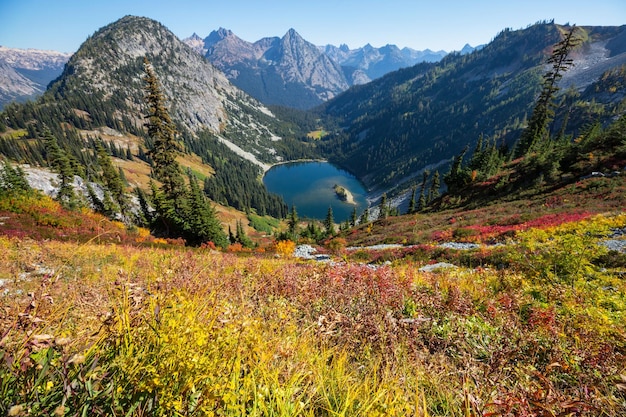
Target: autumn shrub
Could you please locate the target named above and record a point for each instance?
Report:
(565, 253)
(337, 245)
(464, 234)
(235, 247)
(285, 247)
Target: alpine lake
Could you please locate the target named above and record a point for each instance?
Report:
(313, 186)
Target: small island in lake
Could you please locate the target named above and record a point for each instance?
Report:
(344, 194)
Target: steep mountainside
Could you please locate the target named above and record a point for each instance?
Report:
(420, 117)
(367, 63)
(105, 76)
(25, 73)
(292, 72)
(286, 71)
(101, 95)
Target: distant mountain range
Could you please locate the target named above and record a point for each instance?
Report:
(25, 73)
(292, 72)
(365, 64)
(287, 71)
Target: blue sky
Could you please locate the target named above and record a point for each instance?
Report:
(63, 25)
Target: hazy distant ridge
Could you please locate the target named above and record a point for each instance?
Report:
(25, 73)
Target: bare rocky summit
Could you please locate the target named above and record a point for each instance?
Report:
(109, 68)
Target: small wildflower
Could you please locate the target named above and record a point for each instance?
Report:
(16, 410)
(62, 341)
(77, 359)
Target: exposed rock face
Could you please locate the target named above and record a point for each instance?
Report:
(25, 73)
(109, 68)
(286, 71)
(293, 72)
(15, 86)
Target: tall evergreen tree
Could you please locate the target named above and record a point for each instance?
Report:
(329, 222)
(144, 216)
(292, 223)
(412, 202)
(241, 236)
(421, 204)
(111, 178)
(365, 216)
(538, 133)
(165, 147)
(434, 187)
(202, 223)
(384, 207)
(458, 176)
(171, 199)
(353, 217)
(59, 161)
(13, 180)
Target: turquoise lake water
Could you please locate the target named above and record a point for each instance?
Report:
(309, 186)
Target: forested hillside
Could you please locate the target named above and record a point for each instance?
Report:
(100, 98)
(421, 117)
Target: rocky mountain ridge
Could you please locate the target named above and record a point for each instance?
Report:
(420, 118)
(109, 68)
(286, 71)
(25, 73)
(293, 72)
(362, 65)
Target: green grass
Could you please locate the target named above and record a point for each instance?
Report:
(264, 224)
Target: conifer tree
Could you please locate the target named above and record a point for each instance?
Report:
(353, 217)
(59, 160)
(162, 132)
(143, 217)
(537, 133)
(96, 203)
(457, 177)
(412, 203)
(231, 236)
(365, 216)
(241, 236)
(421, 205)
(434, 187)
(292, 223)
(111, 178)
(13, 180)
(170, 200)
(384, 208)
(202, 223)
(329, 222)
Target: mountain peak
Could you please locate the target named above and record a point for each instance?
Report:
(120, 48)
(292, 34)
(216, 36)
